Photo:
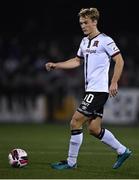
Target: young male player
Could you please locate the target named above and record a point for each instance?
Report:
(96, 50)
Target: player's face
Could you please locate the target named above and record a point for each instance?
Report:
(87, 25)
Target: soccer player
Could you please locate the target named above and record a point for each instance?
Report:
(96, 50)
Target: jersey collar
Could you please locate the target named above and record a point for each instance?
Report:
(94, 36)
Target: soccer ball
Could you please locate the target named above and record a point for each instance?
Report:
(18, 158)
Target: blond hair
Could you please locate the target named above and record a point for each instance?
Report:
(92, 13)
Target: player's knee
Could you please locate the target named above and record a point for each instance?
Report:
(75, 122)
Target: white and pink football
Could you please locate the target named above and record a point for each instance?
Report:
(18, 158)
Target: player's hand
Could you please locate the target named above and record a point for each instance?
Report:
(50, 66)
(113, 90)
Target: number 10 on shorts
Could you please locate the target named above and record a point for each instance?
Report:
(89, 98)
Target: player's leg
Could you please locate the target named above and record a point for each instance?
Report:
(77, 121)
(108, 138)
(105, 135)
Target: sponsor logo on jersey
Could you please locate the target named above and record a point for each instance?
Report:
(90, 51)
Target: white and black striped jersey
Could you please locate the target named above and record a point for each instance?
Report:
(97, 53)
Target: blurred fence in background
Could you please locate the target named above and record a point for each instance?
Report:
(123, 109)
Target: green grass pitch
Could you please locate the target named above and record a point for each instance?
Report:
(46, 143)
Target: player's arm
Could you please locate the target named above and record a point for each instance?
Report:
(69, 64)
(118, 68)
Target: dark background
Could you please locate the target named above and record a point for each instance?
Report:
(54, 17)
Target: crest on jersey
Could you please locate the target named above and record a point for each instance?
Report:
(96, 43)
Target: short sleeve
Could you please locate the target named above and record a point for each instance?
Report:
(111, 47)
